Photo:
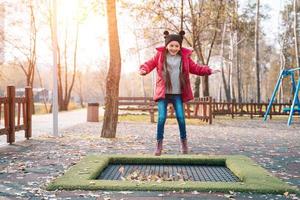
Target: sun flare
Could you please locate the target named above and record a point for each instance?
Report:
(67, 10)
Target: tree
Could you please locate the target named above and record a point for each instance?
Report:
(204, 16)
(64, 89)
(226, 85)
(26, 51)
(65, 56)
(257, 63)
(110, 119)
(287, 49)
(296, 34)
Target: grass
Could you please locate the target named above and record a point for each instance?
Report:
(40, 107)
(142, 118)
(253, 177)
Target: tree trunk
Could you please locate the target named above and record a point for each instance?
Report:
(257, 52)
(225, 85)
(69, 90)
(231, 58)
(205, 86)
(280, 93)
(79, 77)
(195, 32)
(44, 95)
(113, 77)
(64, 89)
(32, 60)
(296, 35)
(238, 70)
(197, 87)
(220, 92)
(236, 40)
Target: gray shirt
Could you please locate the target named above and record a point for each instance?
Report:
(173, 66)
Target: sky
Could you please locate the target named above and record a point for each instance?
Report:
(270, 25)
(93, 48)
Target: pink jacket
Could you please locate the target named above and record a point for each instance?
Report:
(188, 66)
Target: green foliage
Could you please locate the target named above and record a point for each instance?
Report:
(286, 35)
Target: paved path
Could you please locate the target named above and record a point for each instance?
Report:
(42, 124)
(26, 167)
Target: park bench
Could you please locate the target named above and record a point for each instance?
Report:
(198, 109)
(143, 104)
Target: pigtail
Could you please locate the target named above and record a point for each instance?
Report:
(182, 77)
(168, 77)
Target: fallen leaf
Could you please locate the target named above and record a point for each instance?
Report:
(121, 169)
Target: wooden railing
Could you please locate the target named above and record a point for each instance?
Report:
(252, 109)
(197, 109)
(144, 104)
(204, 108)
(200, 108)
(17, 114)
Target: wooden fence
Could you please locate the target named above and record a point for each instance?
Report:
(205, 108)
(17, 114)
(198, 109)
(252, 109)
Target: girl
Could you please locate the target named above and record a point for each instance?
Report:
(173, 65)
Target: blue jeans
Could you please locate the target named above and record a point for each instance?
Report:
(176, 100)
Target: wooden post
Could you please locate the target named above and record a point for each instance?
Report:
(205, 113)
(273, 109)
(171, 110)
(214, 108)
(188, 110)
(152, 112)
(6, 117)
(152, 116)
(210, 110)
(251, 109)
(11, 94)
(232, 108)
(28, 97)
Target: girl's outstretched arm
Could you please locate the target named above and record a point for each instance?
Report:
(149, 65)
(200, 70)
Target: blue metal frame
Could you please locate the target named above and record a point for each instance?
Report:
(295, 89)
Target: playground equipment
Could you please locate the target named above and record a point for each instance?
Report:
(295, 89)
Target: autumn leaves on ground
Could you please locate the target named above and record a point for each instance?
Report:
(36, 162)
(92, 51)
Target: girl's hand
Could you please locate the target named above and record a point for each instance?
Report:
(214, 71)
(142, 72)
